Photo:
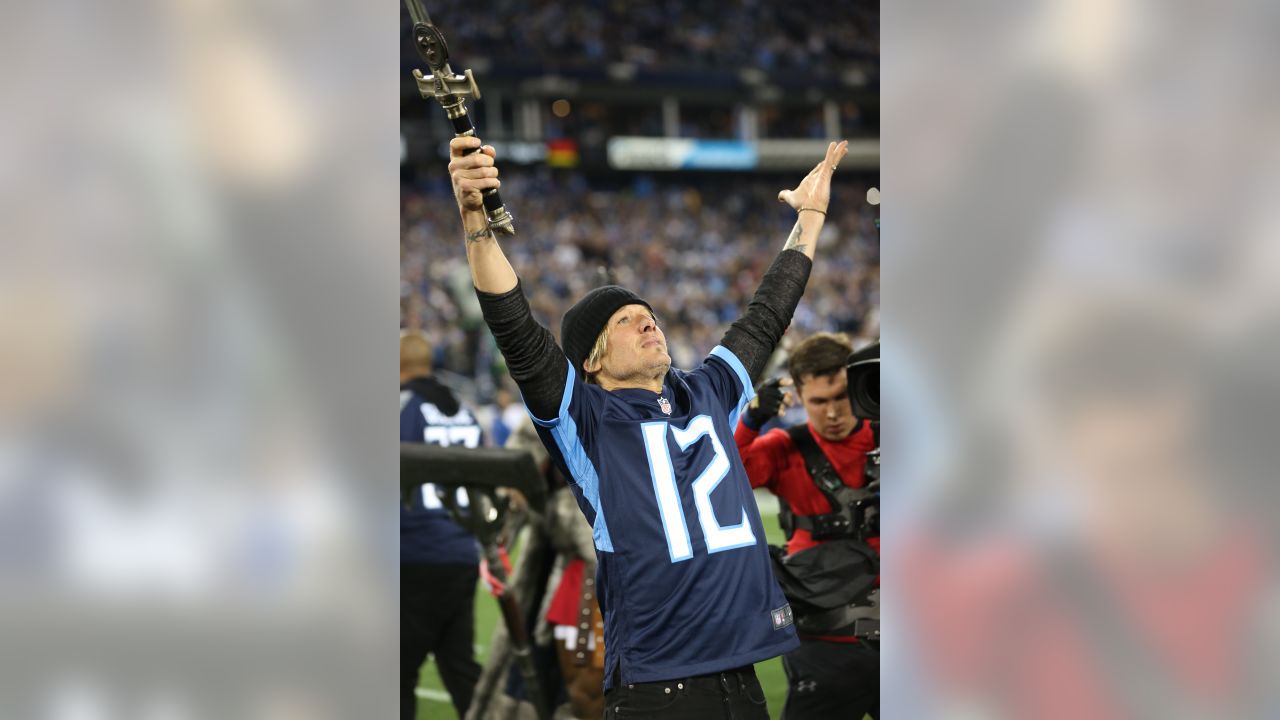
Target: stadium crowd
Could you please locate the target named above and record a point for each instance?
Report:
(820, 38)
(674, 243)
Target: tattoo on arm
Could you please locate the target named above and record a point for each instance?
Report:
(793, 240)
(478, 235)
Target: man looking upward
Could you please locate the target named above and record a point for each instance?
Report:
(683, 572)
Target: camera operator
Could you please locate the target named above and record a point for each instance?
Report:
(828, 496)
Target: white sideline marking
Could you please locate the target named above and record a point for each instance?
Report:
(430, 694)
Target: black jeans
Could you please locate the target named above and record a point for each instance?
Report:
(832, 681)
(729, 695)
(437, 617)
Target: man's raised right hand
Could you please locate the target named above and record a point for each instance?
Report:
(472, 173)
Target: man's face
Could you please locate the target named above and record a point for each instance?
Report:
(826, 399)
(636, 348)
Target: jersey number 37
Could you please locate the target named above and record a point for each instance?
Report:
(718, 537)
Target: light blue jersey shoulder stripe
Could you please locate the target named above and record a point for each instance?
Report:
(564, 401)
(584, 473)
(748, 392)
(565, 432)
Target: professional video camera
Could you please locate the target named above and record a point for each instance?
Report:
(863, 372)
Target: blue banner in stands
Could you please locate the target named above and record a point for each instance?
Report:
(720, 155)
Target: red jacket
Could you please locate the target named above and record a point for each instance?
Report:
(774, 462)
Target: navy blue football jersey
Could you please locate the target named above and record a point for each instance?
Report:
(684, 577)
(428, 535)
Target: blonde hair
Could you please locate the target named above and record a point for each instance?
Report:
(415, 351)
(596, 355)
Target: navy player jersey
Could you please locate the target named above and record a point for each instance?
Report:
(428, 535)
(684, 576)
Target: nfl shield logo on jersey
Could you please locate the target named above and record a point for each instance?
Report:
(782, 617)
(664, 406)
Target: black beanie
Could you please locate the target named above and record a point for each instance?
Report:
(583, 322)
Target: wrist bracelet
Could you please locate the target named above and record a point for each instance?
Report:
(824, 212)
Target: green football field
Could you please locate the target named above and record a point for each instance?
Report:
(433, 702)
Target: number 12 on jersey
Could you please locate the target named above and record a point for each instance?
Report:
(718, 537)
